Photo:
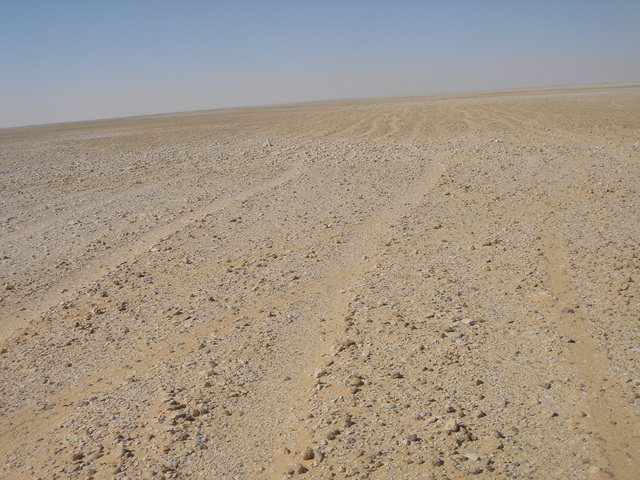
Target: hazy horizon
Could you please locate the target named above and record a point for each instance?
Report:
(73, 61)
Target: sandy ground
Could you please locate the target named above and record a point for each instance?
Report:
(407, 288)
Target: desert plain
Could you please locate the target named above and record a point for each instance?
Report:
(420, 287)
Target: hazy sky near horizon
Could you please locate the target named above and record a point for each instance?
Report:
(70, 60)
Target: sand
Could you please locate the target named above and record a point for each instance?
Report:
(394, 288)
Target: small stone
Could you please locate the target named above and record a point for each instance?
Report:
(301, 469)
(452, 425)
(437, 462)
(307, 454)
(545, 385)
(75, 456)
(178, 414)
(413, 437)
(490, 444)
(355, 381)
(532, 402)
(319, 372)
(333, 434)
(123, 452)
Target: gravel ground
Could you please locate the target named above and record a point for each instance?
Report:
(403, 288)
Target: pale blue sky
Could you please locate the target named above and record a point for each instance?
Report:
(87, 59)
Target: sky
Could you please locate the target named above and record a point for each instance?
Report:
(65, 60)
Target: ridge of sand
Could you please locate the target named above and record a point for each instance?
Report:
(415, 287)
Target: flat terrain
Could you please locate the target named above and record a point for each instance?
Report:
(401, 288)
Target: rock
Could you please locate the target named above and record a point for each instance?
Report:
(437, 462)
(546, 386)
(452, 425)
(178, 414)
(490, 444)
(532, 402)
(75, 456)
(355, 381)
(308, 454)
(471, 321)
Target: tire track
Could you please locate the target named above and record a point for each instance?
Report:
(98, 267)
(611, 420)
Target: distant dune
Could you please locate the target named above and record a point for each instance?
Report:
(399, 288)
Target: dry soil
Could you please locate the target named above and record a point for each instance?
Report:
(406, 288)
